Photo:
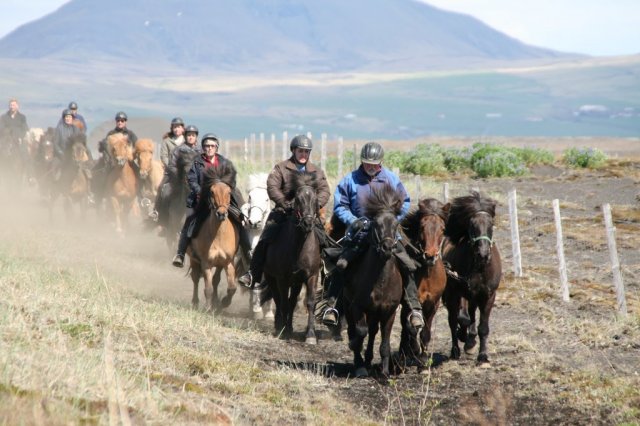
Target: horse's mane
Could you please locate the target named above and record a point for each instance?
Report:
(144, 145)
(303, 179)
(257, 180)
(462, 210)
(223, 172)
(77, 138)
(383, 198)
(49, 134)
(427, 206)
(113, 139)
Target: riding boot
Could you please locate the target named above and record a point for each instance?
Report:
(183, 242)
(252, 277)
(330, 315)
(410, 297)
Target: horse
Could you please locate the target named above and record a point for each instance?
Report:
(13, 161)
(424, 228)
(73, 183)
(148, 171)
(475, 261)
(256, 210)
(121, 181)
(46, 164)
(373, 284)
(177, 198)
(216, 243)
(293, 259)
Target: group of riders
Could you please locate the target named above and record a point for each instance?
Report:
(181, 142)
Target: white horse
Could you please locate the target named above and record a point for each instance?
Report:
(256, 211)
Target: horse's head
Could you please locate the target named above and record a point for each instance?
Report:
(259, 207)
(425, 226)
(472, 217)
(383, 206)
(119, 148)
(78, 148)
(143, 155)
(305, 200)
(220, 199)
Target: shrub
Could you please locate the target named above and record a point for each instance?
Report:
(425, 160)
(458, 160)
(591, 158)
(494, 160)
(533, 156)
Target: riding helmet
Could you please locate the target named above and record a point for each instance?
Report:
(191, 129)
(209, 136)
(121, 116)
(73, 105)
(372, 153)
(66, 112)
(177, 122)
(301, 141)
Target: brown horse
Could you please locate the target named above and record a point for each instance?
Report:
(425, 229)
(293, 259)
(149, 171)
(374, 288)
(46, 164)
(73, 183)
(216, 243)
(121, 179)
(475, 259)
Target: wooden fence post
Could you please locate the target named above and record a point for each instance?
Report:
(418, 184)
(445, 192)
(615, 263)
(515, 234)
(272, 157)
(261, 149)
(562, 267)
(246, 150)
(252, 148)
(285, 145)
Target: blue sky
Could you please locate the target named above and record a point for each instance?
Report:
(595, 27)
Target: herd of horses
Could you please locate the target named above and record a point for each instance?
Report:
(457, 260)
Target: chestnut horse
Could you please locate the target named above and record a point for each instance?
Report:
(475, 260)
(149, 171)
(425, 229)
(293, 259)
(121, 179)
(216, 243)
(373, 287)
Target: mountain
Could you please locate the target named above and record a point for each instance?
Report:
(260, 35)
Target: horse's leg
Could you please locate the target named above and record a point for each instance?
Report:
(280, 299)
(472, 329)
(385, 342)
(195, 277)
(254, 304)
(429, 308)
(359, 331)
(232, 287)
(292, 301)
(215, 281)
(483, 329)
(310, 299)
(209, 295)
(374, 327)
(453, 306)
(117, 213)
(409, 349)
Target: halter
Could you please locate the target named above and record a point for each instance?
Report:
(378, 241)
(473, 240)
(298, 214)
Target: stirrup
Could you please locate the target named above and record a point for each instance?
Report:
(416, 319)
(330, 317)
(246, 280)
(178, 261)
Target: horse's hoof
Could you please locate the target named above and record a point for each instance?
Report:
(311, 341)
(361, 373)
(483, 359)
(455, 353)
(269, 315)
(469, 345)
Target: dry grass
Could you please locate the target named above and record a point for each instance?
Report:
(76, 349)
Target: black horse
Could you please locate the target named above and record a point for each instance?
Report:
(373, 288)
(475, 261)
(293, 259)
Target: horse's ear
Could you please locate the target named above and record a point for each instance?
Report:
(446, 208)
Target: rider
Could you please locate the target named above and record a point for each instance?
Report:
(103, 165)
(13, 124)
(171, 140)
(198, 210)
(279, 184)
(63, 133)
(187, 146)
(352, 190)
(73, 106)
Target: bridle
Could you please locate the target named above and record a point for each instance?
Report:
(378, 241)
(473, 240)
(301, 218)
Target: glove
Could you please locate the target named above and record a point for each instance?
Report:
(358, 230)
(288, 206)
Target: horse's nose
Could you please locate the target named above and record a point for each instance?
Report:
(121, 161)
(221, 215)
(144, 175)
(430, 260)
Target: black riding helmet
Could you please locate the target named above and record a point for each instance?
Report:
(209, 136)
(72, 105)
(372, 153)
(177, 121)
(66, 112)
(301, 141)
(191, 129)
(121, 116)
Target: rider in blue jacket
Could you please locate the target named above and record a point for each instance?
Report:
(348, 206)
